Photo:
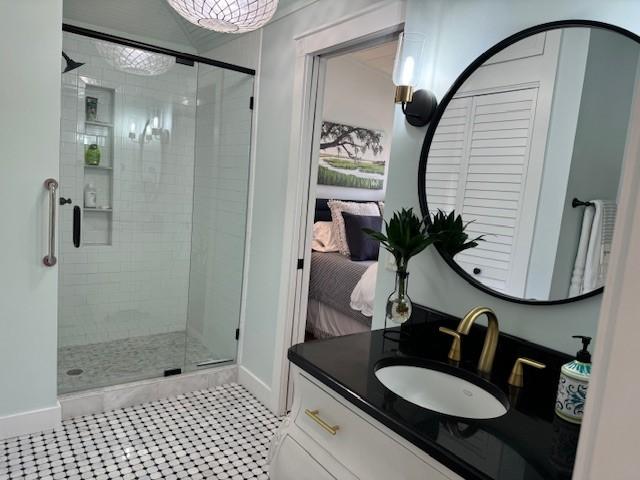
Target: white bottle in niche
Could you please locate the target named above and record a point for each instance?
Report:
(90, 200)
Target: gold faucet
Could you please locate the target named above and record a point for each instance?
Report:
(485, 363)
(516, 379)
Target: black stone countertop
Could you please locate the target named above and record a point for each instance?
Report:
(529, 442)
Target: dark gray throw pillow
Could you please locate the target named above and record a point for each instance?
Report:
(361, 245)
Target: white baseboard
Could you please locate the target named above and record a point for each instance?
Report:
(257, 387)
(30, 422)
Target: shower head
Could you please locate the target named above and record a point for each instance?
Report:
(71, 64)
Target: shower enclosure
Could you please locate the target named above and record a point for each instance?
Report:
(154, 169)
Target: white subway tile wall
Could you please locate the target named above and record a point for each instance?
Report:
(137, 285)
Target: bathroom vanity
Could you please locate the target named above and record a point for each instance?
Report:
(345, 424)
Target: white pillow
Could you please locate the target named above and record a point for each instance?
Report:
(324, 239)
(355, 208)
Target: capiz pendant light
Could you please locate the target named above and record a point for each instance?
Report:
(228, 16)
(134, 60)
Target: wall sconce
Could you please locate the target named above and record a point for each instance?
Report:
(418, 106)
(156, 131)
(132, 131)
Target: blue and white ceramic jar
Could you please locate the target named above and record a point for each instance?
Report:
(573, 384)
(572, 391)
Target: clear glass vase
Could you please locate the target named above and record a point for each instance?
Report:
(399, 303)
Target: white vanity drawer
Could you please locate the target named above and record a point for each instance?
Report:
(294, 463)
(365, 450)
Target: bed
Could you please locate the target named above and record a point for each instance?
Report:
(332, 280)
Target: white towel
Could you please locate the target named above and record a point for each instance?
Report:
(577, 276)
(592, 258)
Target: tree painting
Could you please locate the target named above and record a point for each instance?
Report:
(351, 156)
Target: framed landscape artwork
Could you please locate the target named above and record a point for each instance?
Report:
(351, 157)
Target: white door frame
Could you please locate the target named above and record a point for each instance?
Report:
(379, 19)
(301, 297)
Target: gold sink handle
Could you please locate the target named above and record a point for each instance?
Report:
(454, 351)
(516, 378)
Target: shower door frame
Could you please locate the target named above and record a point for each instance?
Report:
(181, 57)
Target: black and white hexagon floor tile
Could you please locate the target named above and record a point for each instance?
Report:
(222, 433)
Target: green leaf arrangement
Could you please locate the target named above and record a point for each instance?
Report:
(448, 232)
(406, 236)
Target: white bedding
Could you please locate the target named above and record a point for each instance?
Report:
(326, 322)
(363, 295)
(341, 295)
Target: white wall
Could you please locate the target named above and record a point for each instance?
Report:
(459, 35)
(600, 139)
(139, 284)
(243, 50)
(563, 121)
(608, 445)
(29, 142)
(274, 110)
(358, 95)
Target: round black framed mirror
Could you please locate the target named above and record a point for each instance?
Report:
(524, 155)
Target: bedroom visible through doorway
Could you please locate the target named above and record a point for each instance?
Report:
(347, 190)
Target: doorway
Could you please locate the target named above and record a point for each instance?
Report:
(351, 113)
(347, 190)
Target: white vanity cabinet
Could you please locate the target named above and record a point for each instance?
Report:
(292, 461)
(325, 437)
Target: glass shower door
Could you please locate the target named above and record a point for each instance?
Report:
(127, 164)
(155, 162)
(222, 153)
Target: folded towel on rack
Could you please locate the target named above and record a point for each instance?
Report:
(594, 248)
(577, 275)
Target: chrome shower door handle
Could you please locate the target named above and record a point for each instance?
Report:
(52, 186)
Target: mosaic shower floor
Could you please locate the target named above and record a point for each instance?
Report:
(217, 434)
(83, 367)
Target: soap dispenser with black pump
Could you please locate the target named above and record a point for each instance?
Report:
(574, 381)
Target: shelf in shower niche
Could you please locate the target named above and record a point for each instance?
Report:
(96, 244)
(94, 209)
(97, 167)
(98, 124)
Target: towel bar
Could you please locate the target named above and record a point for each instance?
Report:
(579, 203)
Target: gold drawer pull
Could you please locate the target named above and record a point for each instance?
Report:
(314, 415)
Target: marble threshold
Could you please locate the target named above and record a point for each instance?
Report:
(129, 394)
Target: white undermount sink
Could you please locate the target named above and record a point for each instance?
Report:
(443, 392)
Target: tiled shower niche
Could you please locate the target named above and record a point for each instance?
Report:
(99, 125)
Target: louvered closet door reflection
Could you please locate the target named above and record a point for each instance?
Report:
(447, 157)
(495, 179)
(478, 163)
